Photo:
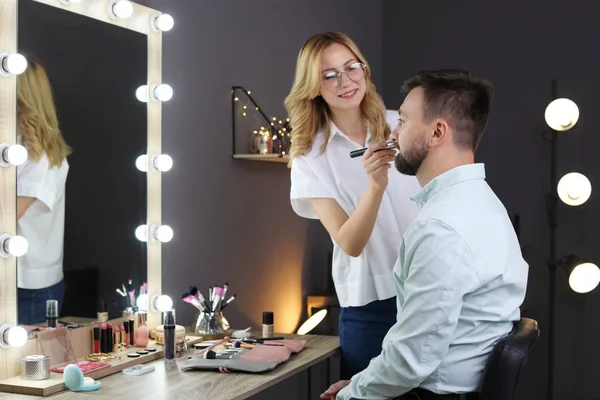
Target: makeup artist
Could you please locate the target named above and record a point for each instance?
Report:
(41, 182)
(460, 277)
(334, 109)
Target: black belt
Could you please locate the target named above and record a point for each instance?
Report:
(422, 394)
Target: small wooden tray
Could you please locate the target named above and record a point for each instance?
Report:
(55, 383)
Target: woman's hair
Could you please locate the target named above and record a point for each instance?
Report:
(38, 124)
(307, 110)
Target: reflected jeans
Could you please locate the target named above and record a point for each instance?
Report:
(32, 302)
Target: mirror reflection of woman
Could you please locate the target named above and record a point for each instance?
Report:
(41, 182)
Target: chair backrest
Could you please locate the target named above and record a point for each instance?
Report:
(506, 361)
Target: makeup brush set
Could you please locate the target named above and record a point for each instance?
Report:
(215, 302)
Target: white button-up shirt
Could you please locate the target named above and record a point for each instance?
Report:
(333, 174)
(460, 280)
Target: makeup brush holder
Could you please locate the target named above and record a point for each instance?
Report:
(211, 326)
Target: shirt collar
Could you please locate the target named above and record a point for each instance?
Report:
(334, 130)
(449, 178)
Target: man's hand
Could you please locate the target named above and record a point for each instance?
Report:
(331, 393)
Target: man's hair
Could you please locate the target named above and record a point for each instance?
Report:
(458, 96)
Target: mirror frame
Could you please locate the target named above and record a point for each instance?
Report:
(140, 22)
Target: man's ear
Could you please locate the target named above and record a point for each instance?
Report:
(440, 133)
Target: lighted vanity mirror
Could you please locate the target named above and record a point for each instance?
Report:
(80, 196)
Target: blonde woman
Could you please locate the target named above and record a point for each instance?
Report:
(41, 184)
(365, 207)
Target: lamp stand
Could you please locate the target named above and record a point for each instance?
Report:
(552, 207)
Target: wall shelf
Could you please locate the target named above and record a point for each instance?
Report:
(274, 158)
(273, 137)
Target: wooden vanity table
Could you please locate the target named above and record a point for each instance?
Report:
(317, 365)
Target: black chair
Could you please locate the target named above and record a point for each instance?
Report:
(506, 361)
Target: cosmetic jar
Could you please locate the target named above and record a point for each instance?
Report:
(159, 334)
(35, 368)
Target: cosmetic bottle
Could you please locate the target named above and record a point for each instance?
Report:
(102, 313)
(142, 333)
(51, 313)
(267, 327)
(169, 328)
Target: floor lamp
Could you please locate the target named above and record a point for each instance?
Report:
(573, 189)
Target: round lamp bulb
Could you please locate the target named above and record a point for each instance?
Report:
(163, 92)
(141, 233)
(142, 302)
(164, 233)
(561, 114)
(584, 278)
(16, 154)
(17, 246)
(163, 163)
(574, 189)
(141, 163)
(15, 64)
(16, 336)
(312, 322)
(141, 93)
(123, 9)
(164, 22)
(164, 303)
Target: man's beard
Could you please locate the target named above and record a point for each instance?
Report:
(409, 163)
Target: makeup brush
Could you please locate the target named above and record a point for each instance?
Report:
(357, 153)
(217, 299)
(229, 300)
(225, 287)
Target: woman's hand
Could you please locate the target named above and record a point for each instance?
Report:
(376, 162)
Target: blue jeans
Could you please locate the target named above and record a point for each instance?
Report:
(362, 330)
(32, 302)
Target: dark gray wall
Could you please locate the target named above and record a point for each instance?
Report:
(520, 49)
(232, 219)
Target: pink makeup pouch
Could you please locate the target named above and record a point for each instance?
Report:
(261, 358)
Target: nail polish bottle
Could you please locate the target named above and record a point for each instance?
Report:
(267, 327)
(102, 313)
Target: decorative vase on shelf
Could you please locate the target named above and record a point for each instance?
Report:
(261, 142)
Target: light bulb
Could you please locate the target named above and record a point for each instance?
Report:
(312, 322)
(15, 246)
(16, 336)
(141, 163)
(584, 278)
(163, 92)
(164, 233)
(561, 114)
(163, 303)
(141, 233)
(142, 302)
(141, 93)
(12, 64)
(12, 154)
(12, 336)
(163, 163)
(164, 22)
(574, 189)
(120, 9)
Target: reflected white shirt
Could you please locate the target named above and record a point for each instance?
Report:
(460, 280)
(333, 174)
(43, 224)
